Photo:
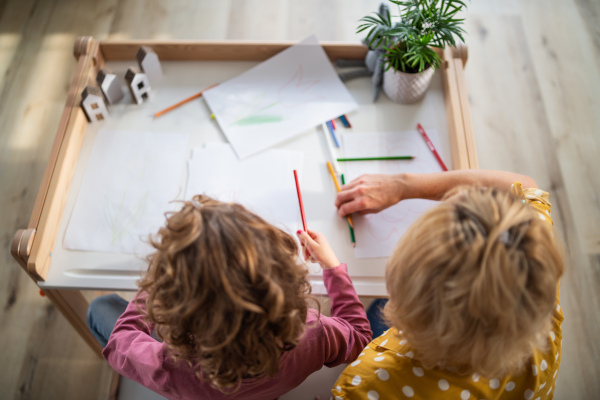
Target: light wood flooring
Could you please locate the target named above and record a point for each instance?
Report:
(534, 81)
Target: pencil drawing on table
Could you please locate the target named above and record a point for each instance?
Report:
(377, 234)
(129, 181)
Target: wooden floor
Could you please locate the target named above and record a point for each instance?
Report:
(534, 81)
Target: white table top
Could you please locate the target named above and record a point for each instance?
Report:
(112, 271)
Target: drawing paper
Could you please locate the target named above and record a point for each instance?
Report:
(288, 94)
(377, 234)
(263, 183)
(129, 180)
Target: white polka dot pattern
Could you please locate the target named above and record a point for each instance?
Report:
(465, 394)
(509, 386)
(403, 342)
(338, 388)
(543, 365)
(372, 395)
(534, 370)
(552, 336)
(382, 374)
(476, 377)
(379, 358)
(494, 383)
(384, 342)
(408, 391)
(355, 363)
(528, 394)
(418, 371)
(443, 384)
(410, 354)
(356, 380)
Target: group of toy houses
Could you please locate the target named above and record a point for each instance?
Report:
(95, 101)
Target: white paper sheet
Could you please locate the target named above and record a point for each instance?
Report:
(377, 234)
(263, 183)
(130, 178)
(289, 93)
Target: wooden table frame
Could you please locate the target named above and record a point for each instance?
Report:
(32, 247)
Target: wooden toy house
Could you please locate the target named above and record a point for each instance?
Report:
(93, 104)
(149, 63)
(138, 83)
(110, 86)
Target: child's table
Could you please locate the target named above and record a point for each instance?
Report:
(190, 66)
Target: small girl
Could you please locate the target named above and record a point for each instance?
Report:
(473, 285)
(222, 311)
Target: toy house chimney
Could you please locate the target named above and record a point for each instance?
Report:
(138, 83)
(93, 104)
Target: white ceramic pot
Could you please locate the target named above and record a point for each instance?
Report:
(406, 88)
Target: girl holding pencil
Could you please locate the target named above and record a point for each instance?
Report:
(222, 311)
(474, 306)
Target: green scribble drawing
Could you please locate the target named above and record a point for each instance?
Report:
(121, 219)
(258, 119)
(255, 117)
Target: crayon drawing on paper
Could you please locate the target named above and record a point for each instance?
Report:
(291, 92)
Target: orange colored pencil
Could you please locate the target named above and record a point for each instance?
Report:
(182, 102)
(339, 189)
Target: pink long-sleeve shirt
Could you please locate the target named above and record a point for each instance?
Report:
(334, 340)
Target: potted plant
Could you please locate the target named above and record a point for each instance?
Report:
(407, 43)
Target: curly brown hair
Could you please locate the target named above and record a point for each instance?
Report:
(226, 291)
(473, 283)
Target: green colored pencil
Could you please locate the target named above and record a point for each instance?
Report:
(349, 226)
(377, 158)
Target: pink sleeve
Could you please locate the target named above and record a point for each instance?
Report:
(133, 353)
(347, 331)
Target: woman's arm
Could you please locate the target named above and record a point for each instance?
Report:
(373, 193)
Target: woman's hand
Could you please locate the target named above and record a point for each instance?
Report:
(315, 248)
(369, 194)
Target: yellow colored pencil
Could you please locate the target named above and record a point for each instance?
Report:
(337, 186)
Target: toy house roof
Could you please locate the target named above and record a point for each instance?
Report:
(90, 91)
(131, 73)
(143, 52)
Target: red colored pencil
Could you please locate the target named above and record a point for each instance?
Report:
(431, 147)
(333, 124)
(300, 200)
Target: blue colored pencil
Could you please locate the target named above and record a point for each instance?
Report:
(345, 121)
(330, 126)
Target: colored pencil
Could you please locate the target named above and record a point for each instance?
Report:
(182, 102)
(333, 124)
(300, 201)
(345, 121)
(332, 131)
(377, 158)
(352, 238)
(431, 146)
(339, 189)
(332, 155)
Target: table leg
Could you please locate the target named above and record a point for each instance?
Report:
(73, 305)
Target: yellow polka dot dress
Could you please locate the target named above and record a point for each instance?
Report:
(389, 369)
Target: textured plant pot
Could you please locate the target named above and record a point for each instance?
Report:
(406, 88)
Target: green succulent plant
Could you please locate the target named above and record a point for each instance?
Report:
(420, 26)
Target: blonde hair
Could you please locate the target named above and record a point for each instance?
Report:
(473, 283)
(225, 291)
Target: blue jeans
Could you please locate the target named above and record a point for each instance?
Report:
(102, 315)
(375, 316)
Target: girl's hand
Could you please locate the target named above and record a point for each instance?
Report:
(315, 248)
